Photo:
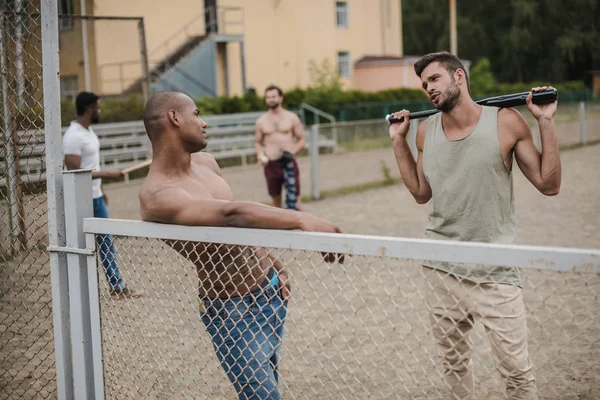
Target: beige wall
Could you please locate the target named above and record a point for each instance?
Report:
(282, 39)
(71, 49)
(375, 78)
(281, 36)
(71, 62)
(118, 42)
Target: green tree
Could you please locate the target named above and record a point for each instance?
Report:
(525, 40)
(481, 77)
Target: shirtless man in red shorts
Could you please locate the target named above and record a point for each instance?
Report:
(276, 149)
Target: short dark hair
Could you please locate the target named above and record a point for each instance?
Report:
(156, 109)
(449, 61)
(274, 87)
(84, 100)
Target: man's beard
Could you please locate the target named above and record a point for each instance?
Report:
(273, 106)
(452, 96)
(95, 119)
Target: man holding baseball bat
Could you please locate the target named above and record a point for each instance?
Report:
(464, 169)
(81, 149)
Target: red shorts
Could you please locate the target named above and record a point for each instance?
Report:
(274, 175)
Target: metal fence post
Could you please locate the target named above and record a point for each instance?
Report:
(314, 161)
(96, 339)
(582, 127)
(20, 71)
(56, 210)
(144, 55)
(78, 205)
(86, 56)
(12, 169)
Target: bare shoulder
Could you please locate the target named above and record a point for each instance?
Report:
(292, 116)
(510, 121)
(261, 120)
(150, 196)
(206, 160)
(159, 202)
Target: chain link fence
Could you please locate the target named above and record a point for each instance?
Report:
(27, 363)
(351, 330)
(570, 119)
(577, 124)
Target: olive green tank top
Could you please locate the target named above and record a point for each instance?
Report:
(472, 194)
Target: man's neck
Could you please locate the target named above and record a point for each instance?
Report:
(276, 111)
(84, 121)
(464, 115)
(172, 158)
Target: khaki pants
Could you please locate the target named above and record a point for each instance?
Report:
(454, 306)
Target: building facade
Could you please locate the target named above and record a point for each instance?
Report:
(232, 45)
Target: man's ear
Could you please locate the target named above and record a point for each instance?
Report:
(460, 76)
(173, 117)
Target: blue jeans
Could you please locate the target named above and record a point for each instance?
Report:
(106, 249)
(246, 332)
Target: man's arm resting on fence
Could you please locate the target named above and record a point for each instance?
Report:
(73, 161)
(177, 206)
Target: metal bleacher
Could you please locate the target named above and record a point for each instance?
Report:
(124, 144)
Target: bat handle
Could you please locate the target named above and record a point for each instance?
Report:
(393, 120)
(412, 115)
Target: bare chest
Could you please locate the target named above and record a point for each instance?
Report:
(205, 183)
(277, 125)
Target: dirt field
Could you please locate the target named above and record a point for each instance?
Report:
(357, 331)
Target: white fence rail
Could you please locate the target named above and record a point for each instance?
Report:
(354, 329)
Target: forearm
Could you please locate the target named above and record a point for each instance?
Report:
(246, 214)
(406, 165)
(550, 169)
(299, 145)
(258, 147)
(103, 175)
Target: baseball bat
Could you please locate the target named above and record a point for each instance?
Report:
(510, 100)
(136, 167)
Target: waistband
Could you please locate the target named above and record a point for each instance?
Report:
(270, 281)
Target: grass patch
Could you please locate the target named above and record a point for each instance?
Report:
(367, 144)
(575, 146)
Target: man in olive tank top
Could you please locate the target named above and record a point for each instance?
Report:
(464, 171)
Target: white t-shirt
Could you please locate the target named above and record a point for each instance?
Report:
(84, 142)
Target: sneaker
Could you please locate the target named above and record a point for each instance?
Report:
(124, 293)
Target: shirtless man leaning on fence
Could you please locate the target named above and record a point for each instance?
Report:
(243, 290)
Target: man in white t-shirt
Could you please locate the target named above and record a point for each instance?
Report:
(81, 150)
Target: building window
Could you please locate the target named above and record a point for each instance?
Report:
(65, 7)
(341, 14)
(344, 64)
(68, 87)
